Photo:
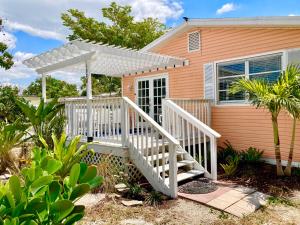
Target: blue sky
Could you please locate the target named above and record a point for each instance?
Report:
(34, 26)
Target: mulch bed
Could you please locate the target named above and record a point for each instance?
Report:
(263, 178)
(199, 186)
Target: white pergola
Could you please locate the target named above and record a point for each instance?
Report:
(94, 58)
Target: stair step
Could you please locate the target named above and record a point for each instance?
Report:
(186, 175)
(160, 155)
(179, 164)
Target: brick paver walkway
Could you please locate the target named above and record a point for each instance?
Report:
(236, 200)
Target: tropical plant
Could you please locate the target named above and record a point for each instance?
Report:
(11, 135)
(40, 198)
(9, 111)
(67, 154)
(45, 120)
(271, 96)
(134, 191)
(55, 88)
(6, 59)
(290, 78)
(154, 198)
(230, 168)
(226, 152)
(251, 155)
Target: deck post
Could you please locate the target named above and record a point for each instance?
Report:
(173, 171)
(213, 158)
(89, 98)
(124, 123)
(44, 95)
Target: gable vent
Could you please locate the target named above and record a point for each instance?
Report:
(194, 41)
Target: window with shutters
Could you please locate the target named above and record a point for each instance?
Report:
(263, 67)
(194, 41)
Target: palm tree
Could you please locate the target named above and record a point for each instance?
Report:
(11, 135)
(291, 79)
(272, 96)
(45, 119)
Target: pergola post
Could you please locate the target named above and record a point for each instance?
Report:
(89, 97)
(44, 95)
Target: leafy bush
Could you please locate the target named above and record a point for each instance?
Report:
(46, 119)
(11, 135)
(154, 198)
(251, 155)
(41, 197)
(68, 154)
(231, 166)
(226, 152)
(134, 191)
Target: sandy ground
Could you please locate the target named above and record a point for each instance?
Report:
(109, 211)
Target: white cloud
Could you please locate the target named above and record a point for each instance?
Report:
(34, 31)
(42, 17)
(228, 7)
(9, 39)
(292, 14)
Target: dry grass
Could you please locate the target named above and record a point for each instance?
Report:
(183, 212)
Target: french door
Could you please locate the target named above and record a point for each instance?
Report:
(150, 92)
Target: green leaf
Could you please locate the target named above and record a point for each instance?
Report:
(51, 165)
(79, 191)
(96, 182)
(40, 182)
(90, 174)
(74, 175)
(15, 188)
(61, 209)
(73, 218)
(54, 190)
(36, 205)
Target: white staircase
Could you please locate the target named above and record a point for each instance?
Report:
(170, 153)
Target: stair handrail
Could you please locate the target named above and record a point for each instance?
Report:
(166, 134)
(191, 119)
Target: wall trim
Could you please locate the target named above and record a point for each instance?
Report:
(283, 162)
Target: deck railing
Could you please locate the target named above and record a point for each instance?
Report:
(199, 108)
(197, 138)
(105, 123)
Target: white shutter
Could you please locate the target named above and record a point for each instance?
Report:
(293, 56)
(209, 81)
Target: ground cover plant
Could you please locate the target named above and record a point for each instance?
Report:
(40, 196)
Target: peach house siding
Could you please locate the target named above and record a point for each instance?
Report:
(243, 126)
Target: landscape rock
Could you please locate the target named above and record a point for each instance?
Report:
(132, 202)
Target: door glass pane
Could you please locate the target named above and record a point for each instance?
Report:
(159, 87)
(143, 95)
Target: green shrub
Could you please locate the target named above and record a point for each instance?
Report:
(231, 166)
(227, 152)
(68, 154)
(41, 197)
(154, 198)
(251, 155)
(134, 191)
(11, 135)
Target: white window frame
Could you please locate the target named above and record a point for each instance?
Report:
(246, 59)
(188, 41)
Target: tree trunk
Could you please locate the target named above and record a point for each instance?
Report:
(288, 169)
(277, 146)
